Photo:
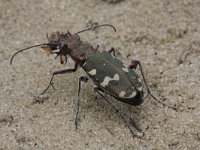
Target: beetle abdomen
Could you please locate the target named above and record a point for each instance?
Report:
(112, 76)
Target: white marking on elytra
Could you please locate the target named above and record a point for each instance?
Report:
(108, 79)
(139, 79)
(122, 93)
(140, 88)
(125, 69)
(92, 72)
(132, 95)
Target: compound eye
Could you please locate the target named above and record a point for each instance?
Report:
(53, 45)
(63, 45)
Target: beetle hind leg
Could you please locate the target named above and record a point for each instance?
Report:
(134, 65)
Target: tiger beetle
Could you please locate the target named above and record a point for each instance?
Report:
(109, 74)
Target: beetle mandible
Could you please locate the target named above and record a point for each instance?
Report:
(109, 74)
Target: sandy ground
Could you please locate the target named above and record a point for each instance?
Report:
(163, 34)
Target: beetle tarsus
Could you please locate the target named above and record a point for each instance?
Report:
(50, 84)
(174, 108)
(65, 71)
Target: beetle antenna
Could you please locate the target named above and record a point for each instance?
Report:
(25, 50)
(97, 26)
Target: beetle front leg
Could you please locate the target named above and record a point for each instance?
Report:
(81, 79)
(65, 71)
(134, 65)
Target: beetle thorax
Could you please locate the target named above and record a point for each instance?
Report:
(79, 50)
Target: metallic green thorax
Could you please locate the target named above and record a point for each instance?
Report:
(112, 76)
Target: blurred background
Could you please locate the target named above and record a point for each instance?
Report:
(163, 34)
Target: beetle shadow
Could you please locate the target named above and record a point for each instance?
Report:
(130, 113)
(92, 100)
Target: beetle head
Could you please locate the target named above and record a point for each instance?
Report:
(61, 44)
(58, 44)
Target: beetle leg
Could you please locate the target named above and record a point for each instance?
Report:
(65, 71)
(111, 50)
(100, 92)
(134, 65)
(96, 49)
(81, 79)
